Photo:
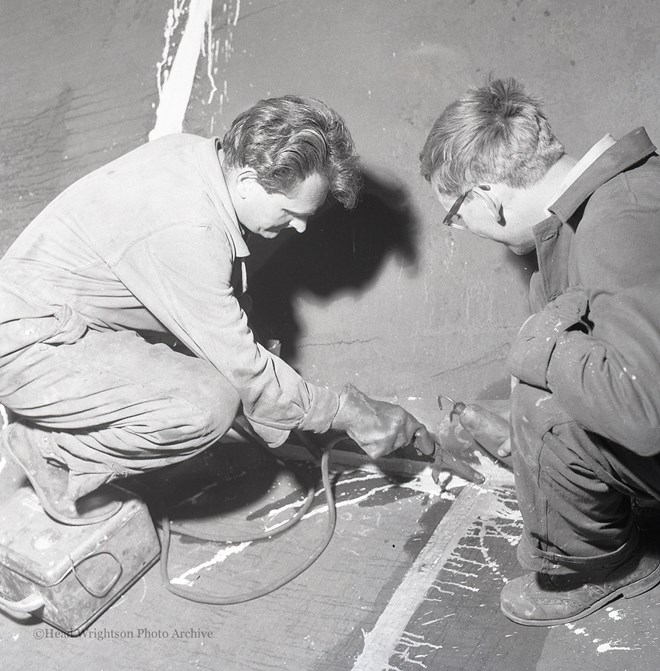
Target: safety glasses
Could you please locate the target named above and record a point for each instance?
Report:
(452, 213)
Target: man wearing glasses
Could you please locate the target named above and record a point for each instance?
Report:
(585, 414)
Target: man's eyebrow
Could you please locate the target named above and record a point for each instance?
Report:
(299, 214)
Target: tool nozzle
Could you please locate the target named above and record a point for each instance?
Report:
(441, 396)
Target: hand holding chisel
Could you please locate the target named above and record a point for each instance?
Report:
(445, 461)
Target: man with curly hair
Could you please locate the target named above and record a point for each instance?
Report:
(154, 243)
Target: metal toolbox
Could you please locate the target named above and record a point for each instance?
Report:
(68, 576)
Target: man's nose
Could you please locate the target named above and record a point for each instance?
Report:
(298, 224)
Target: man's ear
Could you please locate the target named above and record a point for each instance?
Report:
(246, 180)
(492, 200)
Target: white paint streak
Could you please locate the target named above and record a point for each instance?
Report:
(601, 647)
(219, 557)
(541, 401)
(348, 502)
(144, 589)
(493, 522)
(210, 52)
(360, 478)
(176, 89)
(380, 643)
(413, 643)
(438, 619)
(171, 24)
(176, 74)
(340, 483)
(5, 424)
(422, 483)
(460, 585)
(608, 647)
(614, 614)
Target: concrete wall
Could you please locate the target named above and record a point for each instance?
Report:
(77, 86)
(385, 297)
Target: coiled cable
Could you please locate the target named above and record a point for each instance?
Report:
(187, 593)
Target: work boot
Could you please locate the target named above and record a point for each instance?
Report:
(541, 599)
(50, 482)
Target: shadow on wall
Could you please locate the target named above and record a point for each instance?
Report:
(339, 251)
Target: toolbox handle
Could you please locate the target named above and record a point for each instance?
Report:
(112, 582)
(29, 604)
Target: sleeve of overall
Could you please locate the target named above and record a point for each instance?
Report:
(534, 344)
(182, 274)
(609, 379)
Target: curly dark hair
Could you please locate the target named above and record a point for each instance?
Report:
(286, 139)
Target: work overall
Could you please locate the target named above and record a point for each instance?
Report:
(141, 254)
(586, 440)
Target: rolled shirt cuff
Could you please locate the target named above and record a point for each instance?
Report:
(322, 410)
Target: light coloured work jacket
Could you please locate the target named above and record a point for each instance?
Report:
(150, 242)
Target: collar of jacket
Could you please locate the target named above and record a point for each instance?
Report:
(630, 149)
(553, 238)
(211, 171)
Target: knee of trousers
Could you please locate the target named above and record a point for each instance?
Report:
(531, 404)
(546, 439)
(536, 409)
(217, 418)
(199, 421)
(533, 413)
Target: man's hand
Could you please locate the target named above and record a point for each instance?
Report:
(379, 427)
(504, 450)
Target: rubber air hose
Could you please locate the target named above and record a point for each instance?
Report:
(217, 599)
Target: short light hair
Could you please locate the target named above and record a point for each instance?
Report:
(494, 134)
(286, 139)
